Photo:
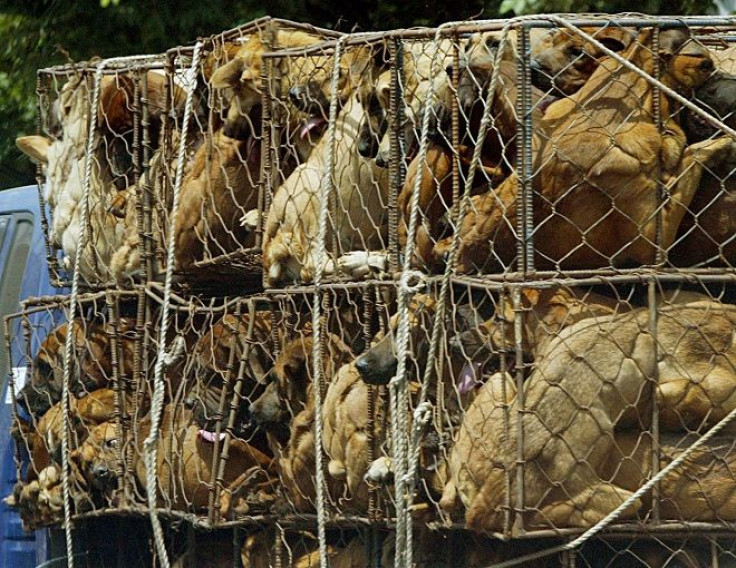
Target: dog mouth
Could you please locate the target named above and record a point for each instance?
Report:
(210, 437)
(470, 377)
(314, 126)
(545, 102)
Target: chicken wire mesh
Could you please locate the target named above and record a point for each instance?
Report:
(579, 342)
(123, 164)
(218, 225)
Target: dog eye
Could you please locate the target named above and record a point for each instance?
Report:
(111, 444)
(575, 51)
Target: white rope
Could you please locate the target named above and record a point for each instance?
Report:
(406, 464)
(325, 189)
(150, 446)
(70, 335)
(74, 294)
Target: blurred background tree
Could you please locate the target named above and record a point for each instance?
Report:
(41, 33)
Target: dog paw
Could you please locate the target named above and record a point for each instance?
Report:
(176, 351)
(360, 263)
(250, 220)
(380, 471)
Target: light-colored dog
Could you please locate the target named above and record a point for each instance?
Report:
(286, 411)
(590, 379)
(583, 229)
(64, 160)
(360, 193)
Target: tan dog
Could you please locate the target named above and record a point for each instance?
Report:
(241, 76)
(563, 60)
(219, 187)
(38, 497)
(63, 161)
(223, 344)
(185, 462)
(360, 222)
(286, 410)
(596, 222)
(589, 380)
(300, 550)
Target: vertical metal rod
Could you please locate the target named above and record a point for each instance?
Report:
(120, 426)
(652, 302)
(216, 481)
(661, 255)
(455, 131)
(520, 410)
(524, 211)
(397, 170)
(42, 99)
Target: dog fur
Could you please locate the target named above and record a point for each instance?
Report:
(185, 461)
(589, 380)
(360, 222)
(93, 363)
(288, 404)
(611, 202)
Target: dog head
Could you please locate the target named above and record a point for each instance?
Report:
(210, 377)
(564, 61)
(687, 63)
(376, 102)
(718, 97)
(97, 458)
(378, 365)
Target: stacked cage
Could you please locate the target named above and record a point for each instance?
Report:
(452, 297)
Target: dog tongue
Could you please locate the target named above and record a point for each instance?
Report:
(208, 436)
(468, 378)
(543, 105)
(310, 125)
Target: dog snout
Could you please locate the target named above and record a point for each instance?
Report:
(367, 146)
(100, 471)
(707, 65)
(378, 365)
(381, 160)
(540, 78)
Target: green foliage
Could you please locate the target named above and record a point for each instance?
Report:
(41, 33)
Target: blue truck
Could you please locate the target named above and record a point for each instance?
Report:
(23, 273)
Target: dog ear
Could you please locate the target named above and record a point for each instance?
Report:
(614, 38)
(228, 75)
(670, 41)
(35, 147)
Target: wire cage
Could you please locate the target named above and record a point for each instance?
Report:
(102, 171)
(497, 325)
(218, 225)
(106, 347)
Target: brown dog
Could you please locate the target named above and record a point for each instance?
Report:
(93, 367)
(598, 206)
(564, 61)
(185, 462)
(38, 497)
(706, 234)
(241, 341)
(286, 410)
(589, 380)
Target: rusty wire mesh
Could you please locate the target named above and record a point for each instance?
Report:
(566, 300)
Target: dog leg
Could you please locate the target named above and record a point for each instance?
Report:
(683, 186)
(250, 220)
(360, 263)
(586, 509)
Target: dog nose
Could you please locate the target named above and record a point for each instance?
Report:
(381, 161)
(363, 366)
(707, 65)
(100, 471)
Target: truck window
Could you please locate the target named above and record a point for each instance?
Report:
(18, 229)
